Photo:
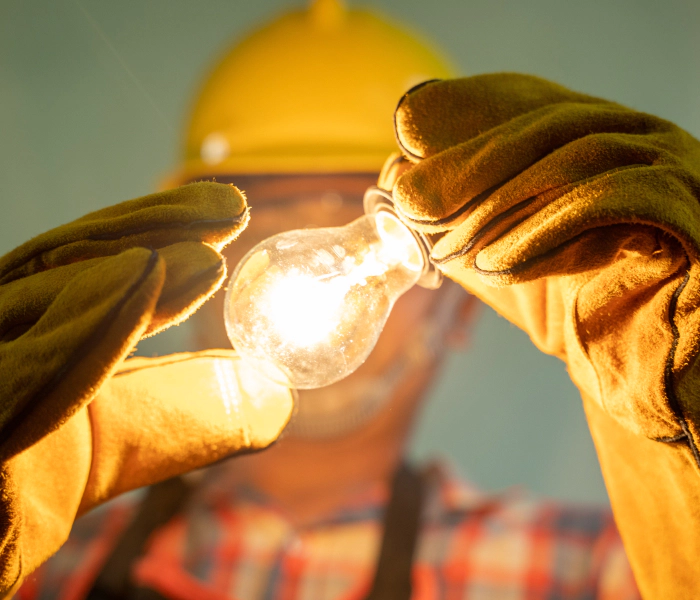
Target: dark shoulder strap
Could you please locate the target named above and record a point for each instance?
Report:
(162, 502)
(392, 580)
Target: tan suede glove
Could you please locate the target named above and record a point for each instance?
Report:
(78, 425)
(579, 220)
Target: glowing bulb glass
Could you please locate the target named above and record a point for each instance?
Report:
(306, 307)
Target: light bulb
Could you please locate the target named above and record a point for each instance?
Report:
(306, 307)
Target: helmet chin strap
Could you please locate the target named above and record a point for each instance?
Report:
(342, 408)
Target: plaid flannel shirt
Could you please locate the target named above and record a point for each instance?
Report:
(229, 544)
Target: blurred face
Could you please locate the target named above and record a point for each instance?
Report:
(400, 366)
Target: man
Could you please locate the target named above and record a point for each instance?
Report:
(322, 500)
(309, 512)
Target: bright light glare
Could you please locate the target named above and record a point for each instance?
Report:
(305, 311)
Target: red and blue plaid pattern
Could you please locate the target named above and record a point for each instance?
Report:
(230, 544)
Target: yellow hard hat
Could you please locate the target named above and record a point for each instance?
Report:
(311, 92)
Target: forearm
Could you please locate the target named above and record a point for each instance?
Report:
(617, 329)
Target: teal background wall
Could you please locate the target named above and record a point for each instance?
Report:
(93, 94)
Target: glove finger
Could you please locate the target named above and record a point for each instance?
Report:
(161, 417)
(610, 200)
(56, 367)
(439, 193)
(201, 212)
(194, 271)
(538, 191)
(25, 300)
(438, 115)
(534, 239)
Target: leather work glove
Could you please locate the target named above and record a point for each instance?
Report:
(579, 220)
(78, 424)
